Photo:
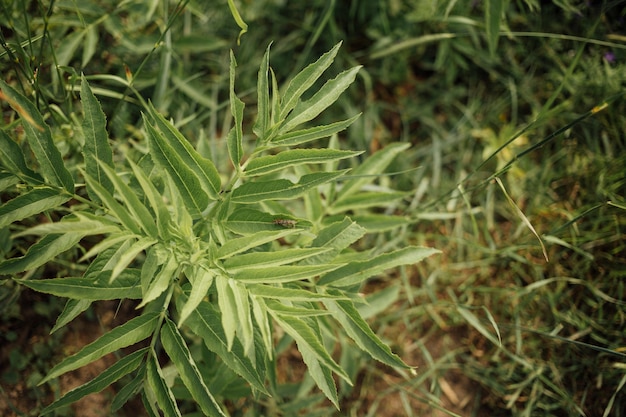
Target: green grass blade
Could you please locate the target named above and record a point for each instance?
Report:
(127, 334)
(298, 137)
(348, 316)
(163, 394)
(304, 80)
(96, 148)
(493, 16)
(363, 200)
(290, 158)
(356, 272)
(281, 189)
(42, 252)
(121, 368)
(40, 139)
(179, 353)
(12, 158)
(321, 100)
(30, 203)
(125, 286)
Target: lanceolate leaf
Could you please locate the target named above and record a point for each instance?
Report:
(290, 294)
(290, 158)
(156, 200)
(270, 259)
(41, 252)
(125, 286)
(321, 374)
(205, 321)
(30, 203)
(156, 381)
(116, 209)
(127, 334)
(12, 158)
(282, 274)
(179, 353)
(71, 310)
(161, 281)
(40, 140)
(235, 309)
(346, 313)
(263, 98)
(304, 80)
(282, 189)
(200, 283)
(235, 136)
(184, 178)
(298, 137)
(322, 99)
(242, 244)
(121, 368)
(97, 148)
(357, 272)
(335, 237)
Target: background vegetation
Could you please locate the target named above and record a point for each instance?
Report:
(516, 116)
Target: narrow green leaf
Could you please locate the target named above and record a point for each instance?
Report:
(44, 251)
(357, 272)
(80, 223)
(163, 394)
(375, 223)
(304, 80)
(321, 100)
(242, 244)
(240, 22)
(201, 280)
(138, 211)
(298, 137)
(40, 139)
(161, 281)
(291, 311)
(129, 255)
(157, 204)
(291, 294)
(186, 181)
(235, 136)
(96, 148)
(203, 168)
(348, 316)
(335, 237)
(281, 189)
(493, 16)
(270, 259)
(125, 286)
(320, 372)
(179, 353)
(369, 169)
(286, 159)
(263, 325)
(12, 158)
(282, 274)
(115, 208)
(235, 308)
(263, 98)
(121, 368)
(206, 322)
(129, 390)
(127, 334)
(246, 221)
(72, 309)
(30, 203)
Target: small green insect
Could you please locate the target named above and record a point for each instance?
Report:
(288, 223)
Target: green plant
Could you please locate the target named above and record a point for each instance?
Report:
(222, 258)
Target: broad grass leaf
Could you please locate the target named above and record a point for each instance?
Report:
(42, 252)
(12, 158)
(290, 158)
(282, 274)
(262, 123)
(127, 334)
(96, 150)
(242, 244)
(125, 286)
(30, 203)
(348, 316)
(179, 353)
(358, 271)
(270, 259)
(205, 321)
(40, 139)
(368, 170)
(305, 80)
(246, 221)
(163, 394)
(139, 212)
(321, 100)
(281, 189)
(298, 137)
(71, 310)
(184, 178)
(201, 280)
(234, 140)
(113, 373)
(203, 168)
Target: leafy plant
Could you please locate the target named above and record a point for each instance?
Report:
(221, 257)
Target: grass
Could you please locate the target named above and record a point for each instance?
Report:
(495, 327)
